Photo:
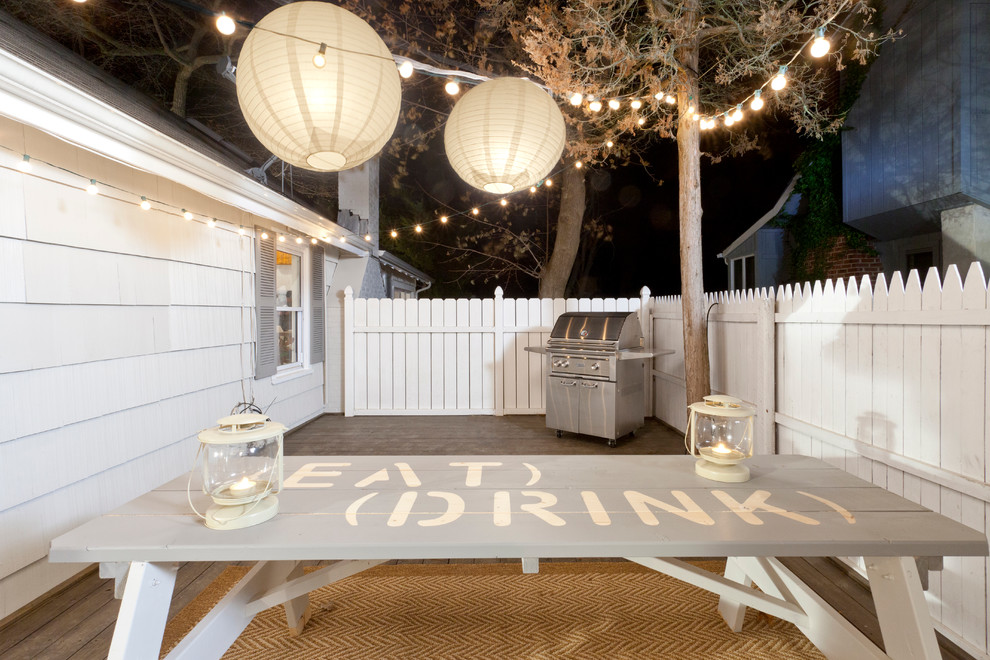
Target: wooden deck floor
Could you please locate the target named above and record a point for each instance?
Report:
(76, 619)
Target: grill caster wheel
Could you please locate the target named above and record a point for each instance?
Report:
(559, 433)
(611, 443)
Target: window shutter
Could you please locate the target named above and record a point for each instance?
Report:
(318, 306)
(264, 296)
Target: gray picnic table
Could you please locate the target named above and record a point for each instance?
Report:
(364, 510)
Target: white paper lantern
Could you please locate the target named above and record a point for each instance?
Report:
(327, 118)
(504, 135)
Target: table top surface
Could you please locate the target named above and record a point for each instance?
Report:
(421, 507)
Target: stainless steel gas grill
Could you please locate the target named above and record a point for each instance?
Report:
(595, 375)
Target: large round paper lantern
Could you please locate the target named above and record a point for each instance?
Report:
(504, 135)
(325, 118)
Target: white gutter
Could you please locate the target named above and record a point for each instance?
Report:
(35, 98)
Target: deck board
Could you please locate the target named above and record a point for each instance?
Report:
(78, 613)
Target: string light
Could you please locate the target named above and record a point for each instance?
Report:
(635, 104)
(659, 96)
(264, 235)
(313, 241)
(393, 234)
(610, 144)
(187, 215)
(343, 239)
(443, 219)
(211, 223)
(299, 240)
(780, 80)
(738, 114)
(820, 46)
(640, 121)
(225, 24)
(320, 59)
(367, 237)
(578, 165)
(242, 231)
(281, 239)
(25, 164)
(92, 188)
(475, 211)
(145, 204)
(595, 106)
(532, 189)
(576, 98)
(419, 229)
(757, 101)
(406, 69)
(671, 99)
(452, 88)
(614, 104)
(503, 201)
(549, 182)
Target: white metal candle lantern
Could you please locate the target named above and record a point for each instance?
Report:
(720, 432)
(242, 467)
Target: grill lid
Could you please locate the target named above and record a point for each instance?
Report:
(618, 328)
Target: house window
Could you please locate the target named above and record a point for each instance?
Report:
(288, 307)
(920, 261)
(742, 273)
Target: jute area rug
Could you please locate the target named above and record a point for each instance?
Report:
(579, 610)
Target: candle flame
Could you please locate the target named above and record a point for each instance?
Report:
(242, 485)
(720, 448)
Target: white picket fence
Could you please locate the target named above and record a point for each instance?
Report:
(453, 357)
(887, 381)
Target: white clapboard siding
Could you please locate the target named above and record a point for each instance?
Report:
(453, 356)
(887, 380)
(126, 333)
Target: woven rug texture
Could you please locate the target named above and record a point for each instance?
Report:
(574, 610)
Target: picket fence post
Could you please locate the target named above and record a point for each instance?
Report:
(766, 360)
(499, 354)
(348, 352)
(646, 326)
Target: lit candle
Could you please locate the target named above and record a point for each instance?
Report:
(242, 486)
(721, 449)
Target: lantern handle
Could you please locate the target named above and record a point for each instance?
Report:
(189, 482)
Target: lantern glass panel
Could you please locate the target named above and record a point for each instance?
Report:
(723, 439)
(240, 472)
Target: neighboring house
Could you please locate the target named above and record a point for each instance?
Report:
(916, 160)
(126, 331)
(756, 258)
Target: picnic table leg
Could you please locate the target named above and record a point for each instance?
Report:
(143, 611)
(734, 613)
(298, 610)
(901, 608)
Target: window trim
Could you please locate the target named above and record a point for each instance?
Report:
(302, 338)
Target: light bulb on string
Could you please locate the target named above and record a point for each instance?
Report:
(211, 223)
(820, 46)
(691, 110)
(503, 202)
(406, 69)
(264, 235)
(595, 106)
(780, 80)
(671, 99)
(640, 121)
(320, 59)
(145, 204)
(367, 237)
(189, 216)
(578, 165)
(343, 239)
(25, 164)
(313, 241)
(729, 121)
(419, 229)
(532, 189)
(635, 104)
(659, 96)
(241, 230)
(549, 182)
(393, 234)
(225, 24)
(757, 100)
(281, 238)
(299, 240)
(452, 88)
(92, 188)
(576, 98)
(695, 116)
(738, 114)
(610, 144)
(443, 219)
(614, 104)
(475, 211)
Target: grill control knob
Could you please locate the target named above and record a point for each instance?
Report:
(595, 366)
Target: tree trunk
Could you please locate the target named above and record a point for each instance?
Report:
(180, 90)
(555, 274)
(696, 366)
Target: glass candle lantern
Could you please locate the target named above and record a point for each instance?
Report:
(720, 433)
(242, 468)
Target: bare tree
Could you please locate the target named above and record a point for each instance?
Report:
(707, 56)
